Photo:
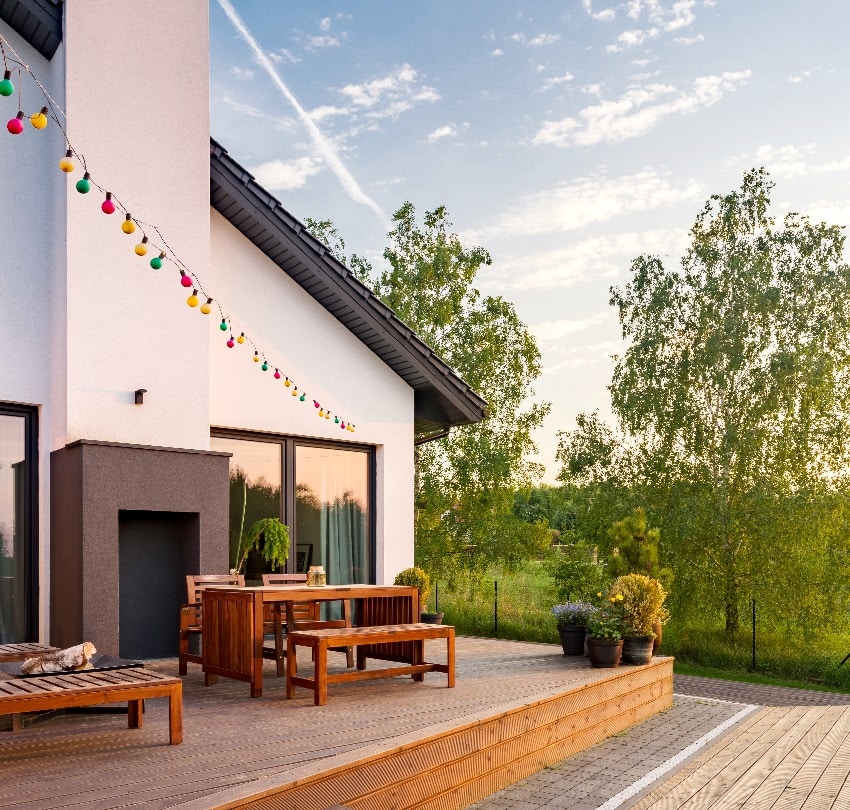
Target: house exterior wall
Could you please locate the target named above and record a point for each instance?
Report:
(323, 358)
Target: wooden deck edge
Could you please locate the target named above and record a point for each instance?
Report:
(450, 766)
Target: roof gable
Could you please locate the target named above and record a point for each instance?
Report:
(441, 398)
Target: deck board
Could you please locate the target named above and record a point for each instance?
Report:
(235, 745)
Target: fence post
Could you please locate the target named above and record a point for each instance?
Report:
(754, 635)
(496, 608)
(436, 596)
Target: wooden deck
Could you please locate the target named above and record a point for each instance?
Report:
(781, 758)
(379, 744)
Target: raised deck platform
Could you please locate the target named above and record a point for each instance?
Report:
(516, 708)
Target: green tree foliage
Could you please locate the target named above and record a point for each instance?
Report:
(465, 483)
(734, 388)
(635, 547)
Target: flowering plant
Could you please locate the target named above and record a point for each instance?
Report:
(573, 613)
(607, 621)
(642, 600)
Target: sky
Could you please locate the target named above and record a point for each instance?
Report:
(566, 138)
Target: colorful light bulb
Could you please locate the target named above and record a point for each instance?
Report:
(206, 308)
(336, 420)
(83, 184)
(39, 119)
(315, 404)
(342, 425)
(265, 366)
(287, 382)
(230, 343)
(192, 300)
(185, 280)
(6, 86)
(241, 339)
(128, 226)
(107, 206)
(302, 397)
(321, 412)
(295, 391)
(327, 414)
(16, 125)
(276, 374)
(223, 325)
(142, 248)
(156, 261)
(256, 356)
(66, 164)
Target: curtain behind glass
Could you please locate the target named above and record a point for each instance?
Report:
(331, 512)
(13, 529)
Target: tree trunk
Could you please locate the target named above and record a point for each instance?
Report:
(733, 619)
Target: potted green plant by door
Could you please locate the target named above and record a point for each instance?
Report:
(274, 547)
(416, 577)
(572, 618)
(605, 633)
(642, 599)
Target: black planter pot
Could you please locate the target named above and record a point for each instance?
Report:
(431, 618)
(572, 638)
(637, 649)
(604, 652)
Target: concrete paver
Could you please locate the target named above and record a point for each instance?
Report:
(618, 771)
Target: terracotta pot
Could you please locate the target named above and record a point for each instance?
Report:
(572, 638)
(637, 649)
(604, 652)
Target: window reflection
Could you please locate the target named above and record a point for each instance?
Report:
(13, 529)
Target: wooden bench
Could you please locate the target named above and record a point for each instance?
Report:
(20, 652)
(320, 640)
(89, 688)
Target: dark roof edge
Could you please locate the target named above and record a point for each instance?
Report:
(439, 374)
(39, 22)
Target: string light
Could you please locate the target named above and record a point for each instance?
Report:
(109, 205)
(16, 124)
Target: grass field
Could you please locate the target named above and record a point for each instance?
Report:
(518, 606)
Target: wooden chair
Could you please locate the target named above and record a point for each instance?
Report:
(300, 616)
(191, 616)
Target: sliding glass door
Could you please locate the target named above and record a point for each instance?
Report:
(322, 491)
(18, 443)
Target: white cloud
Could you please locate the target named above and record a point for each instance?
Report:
(800, 77)
(592, 89)
(326, 111)
(606, 15)
(544, 39)
(325, 24)
(447, 131)
(550, 331)
(660, 18)
(518, 38)
(497, 52)
(284, 55)
(689, 40)
(284, 175)
(554, 81)
(596, 257)
(793, 161)
(242, 73)
(397, 90)
(637, 111)
(591, 199)
(314, 43)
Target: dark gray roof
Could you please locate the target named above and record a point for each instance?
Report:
(441, 398)
(39, 22)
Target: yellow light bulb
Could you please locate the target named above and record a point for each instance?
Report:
(128, 226)
(192, 300)
(206, 307)
(39, 119)
(256, 358)
(241, 338)
(142, 248)
(67, 165)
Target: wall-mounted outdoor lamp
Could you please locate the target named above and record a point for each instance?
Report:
(140, 395)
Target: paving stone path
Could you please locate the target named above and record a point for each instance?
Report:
(615, 773)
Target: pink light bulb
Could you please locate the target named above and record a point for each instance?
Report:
(276, 374)
(16, 125)
(107, 206)
(185, 280)
(230, 343)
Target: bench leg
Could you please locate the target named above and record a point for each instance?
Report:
(175, 716)
(135, 711)
(450, 651)
(17, 722)
(291, 668)
(320, 670)
(418, 658)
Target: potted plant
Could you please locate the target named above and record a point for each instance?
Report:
(605, 632)
(642, 599)
(416, 577)
(274, 547)
(572, 618)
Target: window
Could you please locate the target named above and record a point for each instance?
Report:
(18, 554)
(322, 491)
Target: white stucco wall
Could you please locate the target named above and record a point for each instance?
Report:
(137, 96)
(327, 362)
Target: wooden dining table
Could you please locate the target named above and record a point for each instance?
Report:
(232, 636)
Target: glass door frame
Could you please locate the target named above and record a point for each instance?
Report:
(30, 509)
(288, 476)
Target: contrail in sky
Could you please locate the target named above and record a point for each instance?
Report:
(320, 142)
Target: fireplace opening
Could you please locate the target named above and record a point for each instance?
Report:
(156, 550)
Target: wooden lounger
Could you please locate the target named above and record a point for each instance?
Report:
(90, 688)
(320, 640)
(20, 652)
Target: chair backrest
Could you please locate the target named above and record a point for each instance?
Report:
(283, 579)
(195, 583)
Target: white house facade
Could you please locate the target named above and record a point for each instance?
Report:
(135, 442)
